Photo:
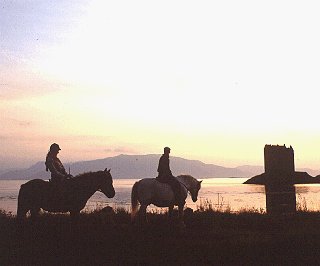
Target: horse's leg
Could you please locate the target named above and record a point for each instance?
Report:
(74, 216)
(34, 212)
(181, 222)
(143, 213)
(21, 212)
(170, 211)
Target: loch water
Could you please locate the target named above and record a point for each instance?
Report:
(228, 194)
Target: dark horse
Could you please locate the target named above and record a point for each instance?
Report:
(72, 197)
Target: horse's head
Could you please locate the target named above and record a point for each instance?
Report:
(192, 185)
(194, 189)
(106, 183)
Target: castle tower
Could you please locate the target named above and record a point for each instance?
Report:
(279, 163)
(279, 170)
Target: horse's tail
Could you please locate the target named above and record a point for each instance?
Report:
(21, 209)
(134, 200)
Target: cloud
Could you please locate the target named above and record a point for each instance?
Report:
(21, 123)
(124, 150)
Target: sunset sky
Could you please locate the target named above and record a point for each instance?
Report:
(213, 80)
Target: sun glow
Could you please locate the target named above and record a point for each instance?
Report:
(212, 80)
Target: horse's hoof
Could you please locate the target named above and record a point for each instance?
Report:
(107, 210)
(188, 211)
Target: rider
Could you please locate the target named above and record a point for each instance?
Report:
(165, 175)
(58, 172)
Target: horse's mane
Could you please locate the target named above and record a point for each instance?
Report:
(84, 175)
(188, 178)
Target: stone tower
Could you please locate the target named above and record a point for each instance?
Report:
(279, 171)
(279, 164)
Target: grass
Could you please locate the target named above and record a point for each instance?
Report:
(211, 237)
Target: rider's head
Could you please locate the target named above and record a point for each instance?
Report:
(166, 150)
(54, 148)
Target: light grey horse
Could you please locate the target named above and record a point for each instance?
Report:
(150, 191)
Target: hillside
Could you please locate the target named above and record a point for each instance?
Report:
(133, 166)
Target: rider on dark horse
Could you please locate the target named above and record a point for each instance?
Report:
(55, 166)
(58, 172)
(165, 176)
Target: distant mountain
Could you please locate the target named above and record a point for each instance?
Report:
(309, 171)
(135, 166)
(251, 169)
(3, 171)
(35, 171)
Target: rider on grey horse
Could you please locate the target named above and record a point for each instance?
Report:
(165, 176)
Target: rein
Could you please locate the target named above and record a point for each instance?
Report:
(184, 186)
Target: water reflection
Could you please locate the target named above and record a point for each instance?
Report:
(280, 199)
(222, 193)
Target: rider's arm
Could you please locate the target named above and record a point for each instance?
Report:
(62, 169)
(169, 170)
(52, 168)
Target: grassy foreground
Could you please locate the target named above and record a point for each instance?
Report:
(210, 238)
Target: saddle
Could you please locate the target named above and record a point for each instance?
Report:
(164, 178)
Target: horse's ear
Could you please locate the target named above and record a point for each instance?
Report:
(200, 181)
(106, 170)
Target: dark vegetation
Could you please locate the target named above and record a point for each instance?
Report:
(210, 238)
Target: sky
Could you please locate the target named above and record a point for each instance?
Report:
(213, 80)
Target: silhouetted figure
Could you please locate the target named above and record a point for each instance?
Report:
(165, 175)
(58, 172)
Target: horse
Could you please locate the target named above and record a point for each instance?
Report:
(150, 191)
(70, 195)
